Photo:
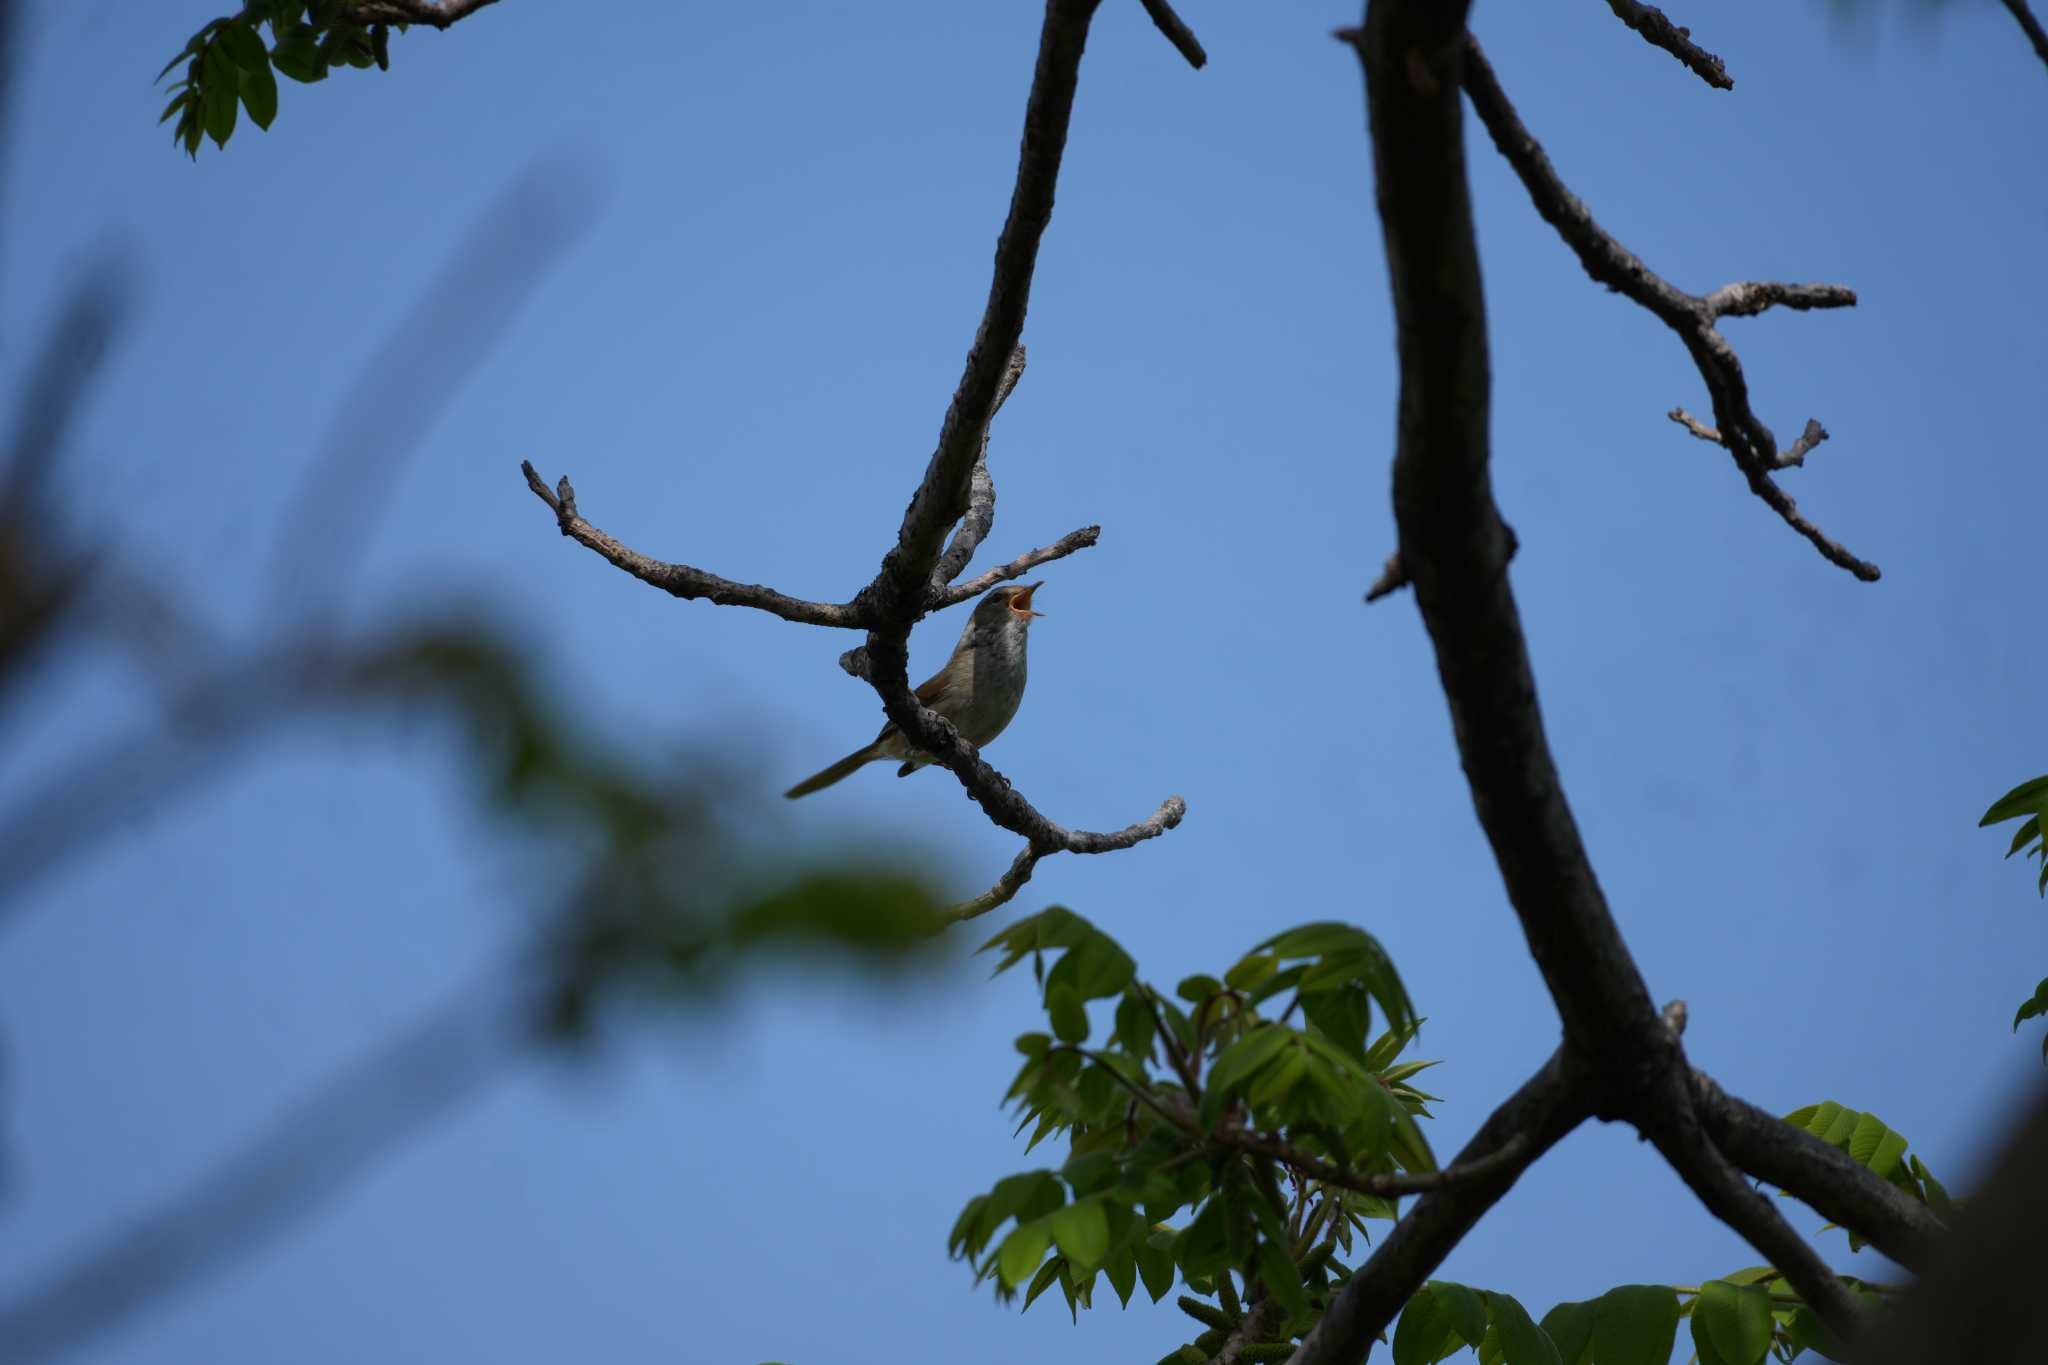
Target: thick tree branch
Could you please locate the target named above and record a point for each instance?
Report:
(1676, 1129)
(1659, 31)
(1548, 1106)
(681, 580)
(1455, 547)
(1692, 317)
(1826, 1178)
(2030, 26)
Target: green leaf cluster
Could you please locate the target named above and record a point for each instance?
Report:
(2027, 803)
(1219, 1138)
(1876, 1147)
(228, 65)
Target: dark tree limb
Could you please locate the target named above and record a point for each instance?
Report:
(1692, 317)
(1828, 1179)
(1548, 1106)
(681, 580)
(1178, 33)
(2030, 26)
(1676, 1129)
(1658, 31)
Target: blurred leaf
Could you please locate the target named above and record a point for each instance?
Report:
(1022, 1250)
(1463, 1307)
(1732, 1323)
(1520, 1340)
(259, 95)
(2034, 1006)
(1635, 1324)
(1424, 1334)
(1570, 1328)
(240, 43)
(2025, 799)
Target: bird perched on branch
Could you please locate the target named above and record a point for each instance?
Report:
(978, 690)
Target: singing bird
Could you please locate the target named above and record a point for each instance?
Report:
(979, 689)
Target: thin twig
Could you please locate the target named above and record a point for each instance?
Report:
(981, 498)
(1392, 579)
(1691, 316)
(681, 580)
(1659, 31)
(1018, 567)
(1007, 886)
(1390, 1185)
(1178, 33)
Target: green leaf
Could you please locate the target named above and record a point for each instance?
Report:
(1281, 1277)
(242, 45)
(1464, 1308)
(1135, 1024)
(1424, 1335)
(2021, 800)
(1121, 1270)
(1732, 1322)
(1250, 971)
(259, 96)
(1082, 1232)
(184, 97)
(1521, 1341)
(2033, 1007)
(1635, 1324)
(1069, 1019)
(219, 96)
(1807, 1332)
(1570, 1328)
(1096, 968)
(1203, 1247)
(1022, 1250)
(2025, 834)
(1196, 989)
(1042, 1281)
(1155, 1265)
(1238, 1064)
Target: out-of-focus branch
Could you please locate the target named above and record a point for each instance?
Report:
(1659, 31)
(2030, 26)
(287, 1173)
(1691, 316)
(680, 580)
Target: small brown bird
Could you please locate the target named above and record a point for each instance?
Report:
(979, 689)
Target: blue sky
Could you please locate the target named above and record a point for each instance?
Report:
(778, 222)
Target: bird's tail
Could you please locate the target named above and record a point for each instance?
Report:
(845, 767)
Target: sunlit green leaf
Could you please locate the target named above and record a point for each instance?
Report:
(1082, 1232)
(1635, 1325)
(1022, 1250)
(1732, 1322)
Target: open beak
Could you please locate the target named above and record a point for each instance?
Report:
(1021, 602)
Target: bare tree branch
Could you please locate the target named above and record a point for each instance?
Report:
(1179, 34)
(2030, 26)
(1659, 31)
(981, 495)
(681, 580)
(1676, 1130)
(1006, 887)
(1691, 316)
(1548, 1106)
(1387, 1185)
(1018, 567)
(1826, 1178)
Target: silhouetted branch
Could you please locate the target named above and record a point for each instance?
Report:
(2030, 26)
(681, 580)
(1548, 1106)
(1826, 1178)
(1659, 31)
(1692, 317)
(1018, 567)
(981, 495)
(1179, 34)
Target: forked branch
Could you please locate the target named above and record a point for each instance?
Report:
(1691, 316)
